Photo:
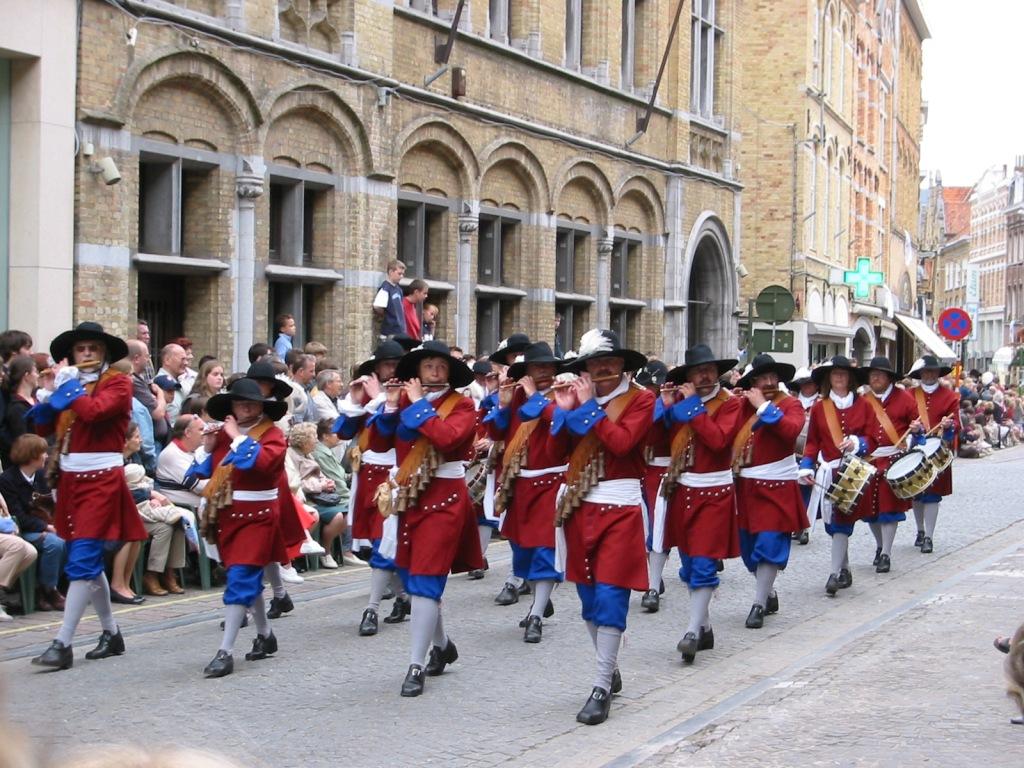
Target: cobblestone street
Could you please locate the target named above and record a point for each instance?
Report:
(898, 668)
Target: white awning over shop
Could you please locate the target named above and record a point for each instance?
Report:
(930, 340)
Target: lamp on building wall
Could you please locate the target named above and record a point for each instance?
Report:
(741, 270)
(107, 168)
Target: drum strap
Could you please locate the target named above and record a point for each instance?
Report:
(832, 420)
(922, 409)
(740, 454)
(883, 418)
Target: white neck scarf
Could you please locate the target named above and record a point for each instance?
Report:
(713, 395)
(807, 401)
(623, 386)
(885, 395)
(432, 396)
(841, 402)
(930, 388)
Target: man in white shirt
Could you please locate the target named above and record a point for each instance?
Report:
(176, 458)
(325, 400)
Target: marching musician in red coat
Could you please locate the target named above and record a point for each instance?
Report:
(771, 508)
(366, 395)
(840, 423)
(937, 406)
(599, 513)
(529, 475)
(892, 411)
(698, 490)
(243, 507)
(656, 458)
(89, 411)
(432, 429)
(806, 392)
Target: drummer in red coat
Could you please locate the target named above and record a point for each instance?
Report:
(937, 406)
(768, 498)
(892, 410)
(529, 475)
(698, 488)
(432, 429)
(243, 507)
(840, 425)
(599, 514)
(656, 458)
(89, 411)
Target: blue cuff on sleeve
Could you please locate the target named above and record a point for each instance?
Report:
(346, 427)
(198, 471)
(386, 421)
(949, 434)
(534, 407)
(489, 402)
(686, 410)
(918, 439)
(245, 457)
(582, 419)
(558, 420)
(862, 450)
(771, 415)
(500, 417)
(66, 394)
(41, 413)
(806, 463)
(659, 410)
(413, 416)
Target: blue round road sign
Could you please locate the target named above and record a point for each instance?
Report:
(955, 324)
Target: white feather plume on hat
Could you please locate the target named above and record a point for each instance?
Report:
(594, 341)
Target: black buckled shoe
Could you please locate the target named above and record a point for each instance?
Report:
(525, 588)
(616, 681)
(262, 647)
(706, 641)
(245, 620)
(845, 578)
(368, 626)
(805, 537)
(223, 664)
(388, 595)
(919, 540)
(476, 574)
(595, 711)
(832, 585)
(57, 656)
(533, 631)
(650, 602)
(401, 608)
(772, 606)
(278, 606)
(413, 683)
(719, 566)
(926, 546)
(439, 659)
(884, 563)
(110, 644)
(878, 556)
(509, 595)
(687, 647)
(755, 619)
(549, 611)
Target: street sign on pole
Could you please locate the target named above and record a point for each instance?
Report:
(954, 324)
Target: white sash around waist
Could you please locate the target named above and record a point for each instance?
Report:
(822, 481)
(377, 459)
(623, 493)
(91, 462)
(450, 470)
(706, 479)
(543, 471)
(659, 461)
(381, 458)
(268, 495)
(886, 450)
(783, 469)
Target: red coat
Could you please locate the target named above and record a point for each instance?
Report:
(902, 410)
(530, 516)
(772, 505)
(98, 505)
(438, 534)
(605, 543)
(939, 404)
(702, 522)
(656, 445)
(854, 421)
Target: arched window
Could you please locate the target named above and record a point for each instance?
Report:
(826, 208)
(826, 33)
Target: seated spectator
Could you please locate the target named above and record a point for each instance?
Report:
(209, 382)
(23, 487)
(309, 483)
(176, 458)
(325, 399)
(16, 555)
(328, 453)
(20, 393)
(166, 525)
(127, 553)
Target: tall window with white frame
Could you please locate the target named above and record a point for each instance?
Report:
(421, 237)
(628, 53)
(174, 197)
(625, 281)
(574, 34)
(571, 300)
(706, 36)
(497, 20)
(496, 304)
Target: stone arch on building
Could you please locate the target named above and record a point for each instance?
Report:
(710, 286)
(830, 308)
(643, 190)
(525, 165)
(815, 307)
(437, 143)
(584, 175)
(863, 345)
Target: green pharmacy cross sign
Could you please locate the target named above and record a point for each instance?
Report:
(862, 278)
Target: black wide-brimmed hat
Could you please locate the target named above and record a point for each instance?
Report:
(652, 375)
(880, 363)
(929, 363)
(262, 370)
(508, 349)
(219, 406)
(838, 363)
(459, 374)
(597, 343)
(61, 347)
(800, 377)
(390, 349)
(699, 355)
(537, 353)
(762, 364)
(406, 341)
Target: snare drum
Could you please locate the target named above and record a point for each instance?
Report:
(849, 482)
(938, 452)
(910, 474)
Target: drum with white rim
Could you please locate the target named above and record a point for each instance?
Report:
(938, 452)
(849, 481)
(910, 474)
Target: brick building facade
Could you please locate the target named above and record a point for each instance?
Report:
(275, 154)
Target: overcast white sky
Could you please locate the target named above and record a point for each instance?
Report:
(975, 113)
